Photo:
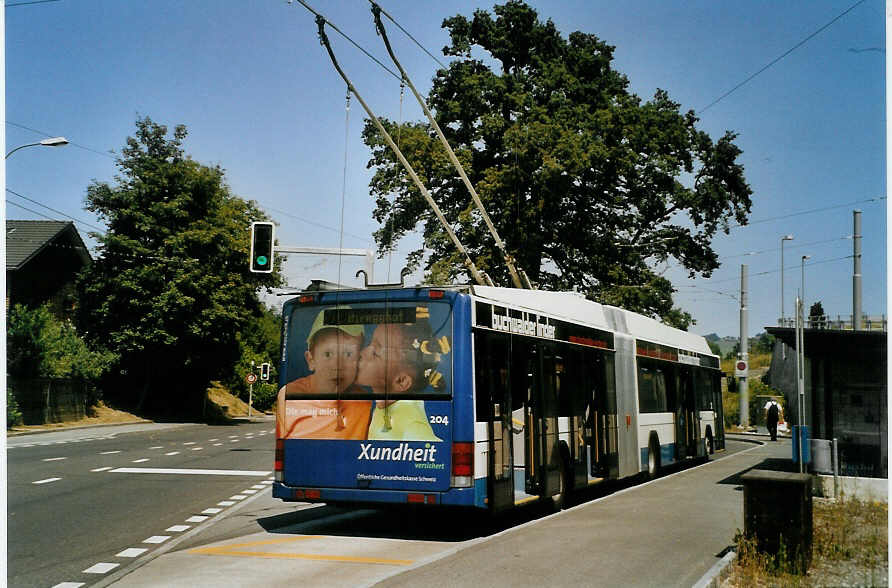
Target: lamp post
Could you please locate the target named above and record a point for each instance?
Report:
(52, 142)
(784, 238)
(804, 257)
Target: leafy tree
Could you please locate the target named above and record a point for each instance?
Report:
(170, 288)
(588, 185)
(41, 345)
(816, 312)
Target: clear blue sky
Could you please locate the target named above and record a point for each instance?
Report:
(260, 98)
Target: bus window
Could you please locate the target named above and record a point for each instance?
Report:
(652, 389)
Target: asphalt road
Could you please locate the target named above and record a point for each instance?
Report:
(85, 502)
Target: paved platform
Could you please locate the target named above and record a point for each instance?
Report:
(667, 532)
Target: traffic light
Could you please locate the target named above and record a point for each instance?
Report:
(264, 371)
(262, 237)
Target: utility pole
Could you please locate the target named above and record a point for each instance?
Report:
(742, 387)
(856, 277)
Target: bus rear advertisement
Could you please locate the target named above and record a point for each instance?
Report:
(366, 397)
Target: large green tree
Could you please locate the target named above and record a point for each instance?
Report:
(170, 288)
(588, 185)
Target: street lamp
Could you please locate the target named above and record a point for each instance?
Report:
(804, 257)
(784, 238)
(52, 142)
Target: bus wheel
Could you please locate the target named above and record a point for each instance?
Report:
(653, 457)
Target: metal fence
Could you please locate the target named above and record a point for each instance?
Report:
(840, 323)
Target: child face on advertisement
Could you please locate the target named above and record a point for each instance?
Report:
(382, 363)
(334, 359)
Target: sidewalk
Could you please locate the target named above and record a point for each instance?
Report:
(667, 532)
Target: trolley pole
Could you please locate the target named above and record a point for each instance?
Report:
(742, 386)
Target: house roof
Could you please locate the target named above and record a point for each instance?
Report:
(27, 238)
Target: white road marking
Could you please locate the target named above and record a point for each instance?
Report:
(178, 528)
(211, 511)
(237, 497)
(46, 481)
(69, 585)
(217, 444)
(258, 487)
(157, 447)
(189, 472)
(108, 452)
(267, 482)
(197, 519)
(156, 539)
(54, 459)
(101, 568)
(233, 440)
(143, 460)
(132, 552)
(226, 503)
(189, 443)
(249, 491)
(101, 469)
(172, 453)
(197, 448)
(212, 440)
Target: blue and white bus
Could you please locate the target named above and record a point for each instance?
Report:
(482, 397)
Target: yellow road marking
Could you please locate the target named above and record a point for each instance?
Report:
(234, 551)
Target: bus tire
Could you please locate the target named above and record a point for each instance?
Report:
(710, 442)
(653, 457)
(560, 500)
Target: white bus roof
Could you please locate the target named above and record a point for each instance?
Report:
(574, 307)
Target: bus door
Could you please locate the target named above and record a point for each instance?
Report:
(686, 422)
(596, 413)
(494, 406)
(545, 421)
(574, 396)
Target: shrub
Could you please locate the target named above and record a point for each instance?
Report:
(13, 414)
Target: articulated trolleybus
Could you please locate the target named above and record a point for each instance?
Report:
(482, 397)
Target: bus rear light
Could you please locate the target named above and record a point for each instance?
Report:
(462, 465)
(435, 294)
(279, 463)
(421, 498)
(313, 494)
(307, 299)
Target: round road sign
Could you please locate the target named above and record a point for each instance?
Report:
(251, 378)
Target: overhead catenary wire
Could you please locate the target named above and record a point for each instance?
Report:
(509, 260)
(92, 226)
(472, 268)
(352, 42)
(777, 59)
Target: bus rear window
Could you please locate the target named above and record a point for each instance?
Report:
(368, 351)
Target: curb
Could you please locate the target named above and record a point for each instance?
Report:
(15, 433)
(717, 573)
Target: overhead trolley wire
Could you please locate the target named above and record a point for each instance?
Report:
(775, 60)
(354, 43)
(13, 192)
(399, 26)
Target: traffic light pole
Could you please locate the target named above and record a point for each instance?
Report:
(369, 255)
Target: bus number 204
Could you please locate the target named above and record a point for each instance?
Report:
(439, 419)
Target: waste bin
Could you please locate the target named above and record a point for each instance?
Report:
(777, 511)
(800, 435)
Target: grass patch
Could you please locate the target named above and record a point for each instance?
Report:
(850, 548)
